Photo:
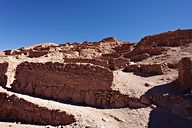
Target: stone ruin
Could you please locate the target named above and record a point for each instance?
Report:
(185, 75)
(3, 76)
(84, 75)
(17, 109)
(83, 84)
(148, 69)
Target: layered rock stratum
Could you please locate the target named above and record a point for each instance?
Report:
(108, 83)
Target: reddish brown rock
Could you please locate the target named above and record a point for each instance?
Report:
(2, 54)
(16, 109)
(139, 57)
(61, 81)
(154, 69)
(71, 83)
(172, 38)
(148, 69)
(185, 75)
(118, 63)
(100, 62)
(124, 47)
(141, 50)
(35, 54)
(172, 65)
(3, 76)
(159, 43)
(108, 62)
(132, 68)
(8, 52)
(109, 39)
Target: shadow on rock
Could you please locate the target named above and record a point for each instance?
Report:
(169, 88)
(171, 109)
(161, 118)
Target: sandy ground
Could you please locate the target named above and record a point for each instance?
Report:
(134, 85)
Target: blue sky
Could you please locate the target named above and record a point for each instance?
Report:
(27, 22)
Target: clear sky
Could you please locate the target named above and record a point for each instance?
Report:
(27, 22)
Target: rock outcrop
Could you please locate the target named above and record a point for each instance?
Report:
(3, 76)
(174, 104)
(185, 75)
(109, 39)
(172, 39)
(16, 109)
(158, 44)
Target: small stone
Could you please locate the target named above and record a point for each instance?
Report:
(147, 84)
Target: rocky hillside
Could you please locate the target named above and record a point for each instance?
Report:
(144, 84)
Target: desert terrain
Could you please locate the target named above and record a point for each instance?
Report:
(104, 84)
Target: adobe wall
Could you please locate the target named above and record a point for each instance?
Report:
(62, 82)
(185, 75)
(148, 69)
(83, 84)
(100, 62)
(107, 62)
(3, 76)
(14, 109)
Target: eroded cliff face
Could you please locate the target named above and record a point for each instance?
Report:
(185, 75)
(14, 109)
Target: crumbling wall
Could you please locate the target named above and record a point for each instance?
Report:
(139, 57)
(108, 62)
(14, 109)
(142, 49)
(172, 103)
(62, 82)
(118, 63)
(111, 99)
(35, 54)
(3, 76)
(100, 62)
(132, 68)
(154, 69)
(83, 84)
(148, 69)
(185, 75)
